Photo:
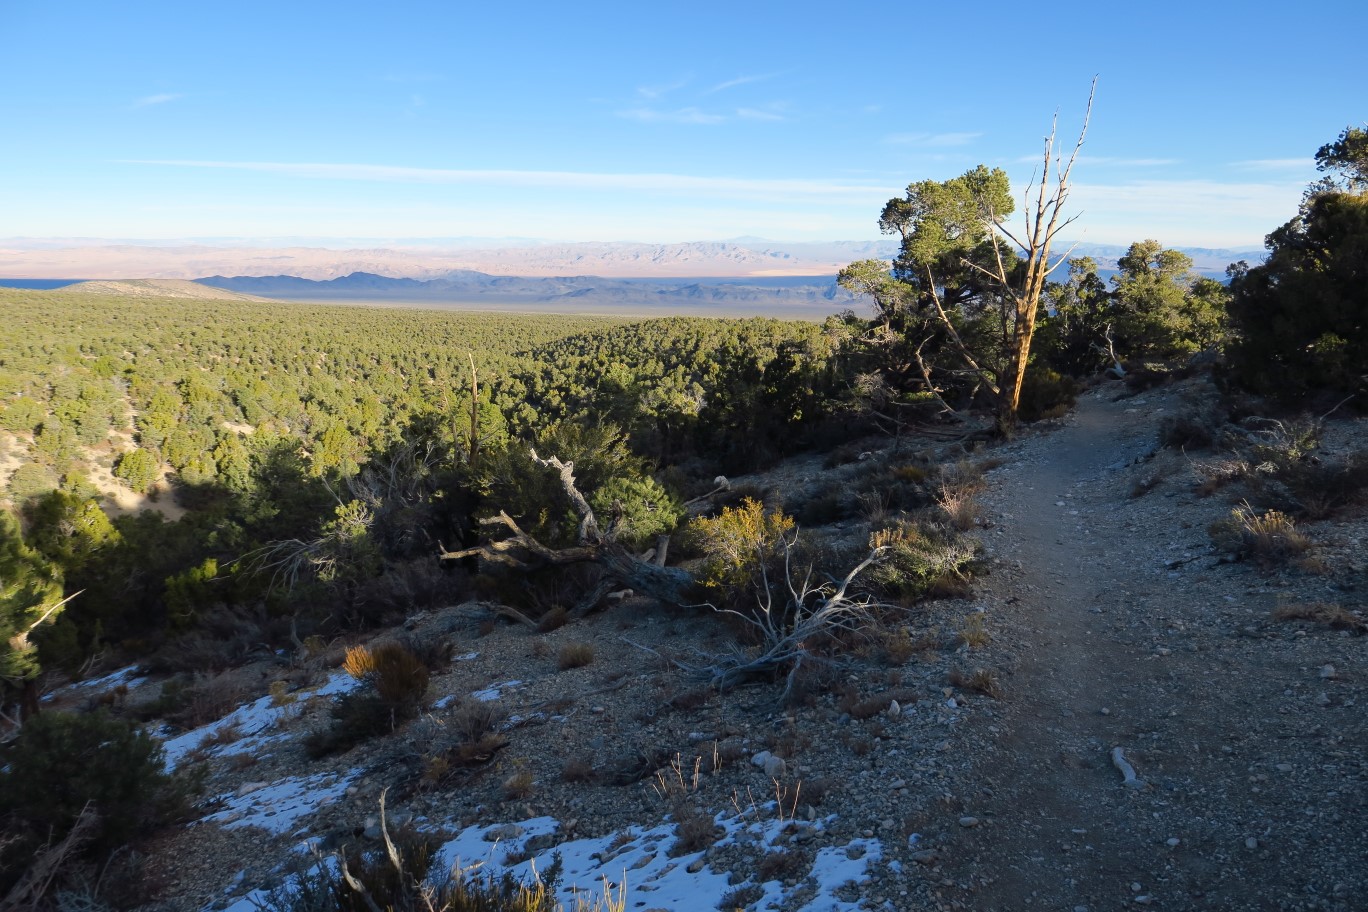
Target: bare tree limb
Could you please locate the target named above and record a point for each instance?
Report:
(810, 612)
(34, 885)
(955, 336)
(1044, 221)
(669, 584)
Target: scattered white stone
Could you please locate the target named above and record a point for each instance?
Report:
(968, 821)
(1328, 672)
(1173, 842)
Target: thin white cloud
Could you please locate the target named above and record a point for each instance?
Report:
(739, 81)
(932, 140)
(754, 188)
(1274, 164)
(652, 92)
(689, 115)
(1190, 212)
(756, 114)
(163, 98)
(1126, 162)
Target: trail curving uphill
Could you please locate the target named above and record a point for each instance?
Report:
(1114, 626)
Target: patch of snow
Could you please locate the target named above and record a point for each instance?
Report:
(124, 676)
(277, 807)
(638, 857)
(257, 723)
(495, 691)
(836, 867)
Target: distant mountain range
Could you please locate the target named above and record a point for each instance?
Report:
(452, 259)
(794, 297)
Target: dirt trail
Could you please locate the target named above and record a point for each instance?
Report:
(1112, 637)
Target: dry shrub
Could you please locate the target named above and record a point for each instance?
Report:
(973, 632)
(1325, 487)
(728, 752)
(1270, 538)
(434, 652)
(695, 830)
(1190, 432)
(280, 693)
(779, 865)
(398, 676)
(359, 662)
(858, 744)
(981, 680)
(441, 768)
(577, 769)
(911, 473)
(518, 785)
(395, 684)
(1216, 475)
(1337, 617)
(224, 734)
(875, 506)
(738, 541)
(240, 762)
(475, 717)
(959, 504)
(575, 655)
(923, 560)
(858, 707)
(478, 751)
(742, 897)
(197, 702)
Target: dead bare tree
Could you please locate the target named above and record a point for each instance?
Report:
(596, 545)
(810, 612)
(1044, 220)
(50, 863)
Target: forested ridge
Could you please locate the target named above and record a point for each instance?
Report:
(261, 413)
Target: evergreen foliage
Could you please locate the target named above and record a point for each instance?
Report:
(1302, 316)
(62, 761)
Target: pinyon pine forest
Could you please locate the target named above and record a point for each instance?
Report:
(1012, 588)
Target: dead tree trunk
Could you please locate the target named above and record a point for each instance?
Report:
(1044, 221)
(621, 568)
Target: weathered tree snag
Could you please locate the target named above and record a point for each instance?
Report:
(1043, 223)
(621, 568)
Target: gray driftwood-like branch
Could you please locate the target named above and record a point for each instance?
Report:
(810, 612)
(622, 569)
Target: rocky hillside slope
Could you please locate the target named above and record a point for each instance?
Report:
(1123, 710)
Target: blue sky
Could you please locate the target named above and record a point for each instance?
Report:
(653, 121)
